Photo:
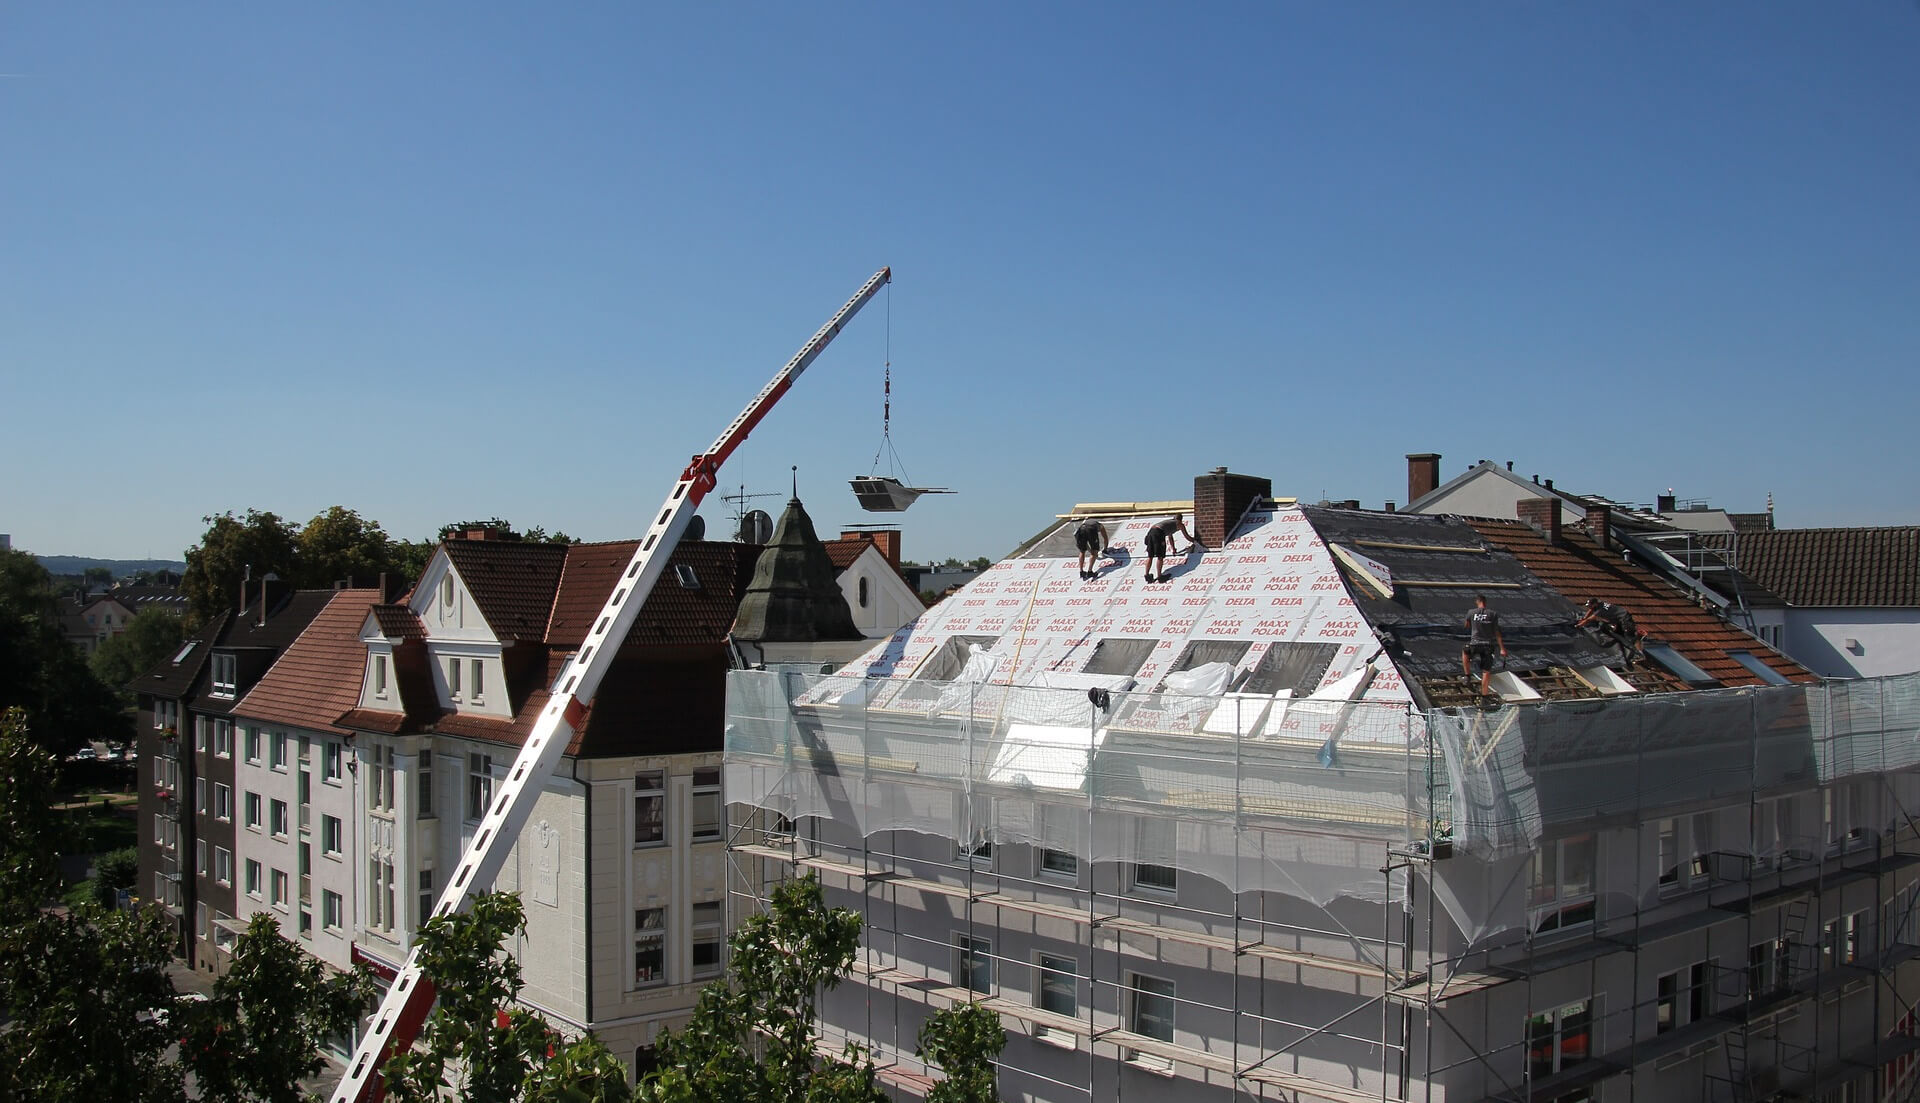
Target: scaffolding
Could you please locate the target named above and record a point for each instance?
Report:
(1390, 904)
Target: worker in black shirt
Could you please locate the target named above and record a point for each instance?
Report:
(1483, 636)
(1619, 624)
(1157, 538)
(1091, 538)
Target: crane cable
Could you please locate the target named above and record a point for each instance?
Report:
(886, 448)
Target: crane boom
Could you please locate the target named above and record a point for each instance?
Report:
(408, 998)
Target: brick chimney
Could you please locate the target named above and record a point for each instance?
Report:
(272, 589)
(1423, 474)
(1542, 515)
(1600, 525)
(887, 540)
(480, 532)
(1219, 498)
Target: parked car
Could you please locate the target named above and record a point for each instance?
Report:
(84, 754)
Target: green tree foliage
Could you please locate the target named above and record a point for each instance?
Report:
(261, 1032)
(113, 871)
(217, 564)
(97, 576)
(152, 635)
(477, 1043)
(340, 544)
(751, 1037)
(963, 1040)
(44, 674)
(78, 989)
(504, 530)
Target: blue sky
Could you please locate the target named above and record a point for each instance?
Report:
(439, 261)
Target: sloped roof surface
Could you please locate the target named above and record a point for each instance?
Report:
(1579, 568)
(288, 615)
(674, 613)
(398, 622)
(1839, 566)
(512, 582)
(176, 679)
(318, 676)
(844, 551)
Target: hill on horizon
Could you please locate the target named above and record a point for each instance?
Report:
(121, 568)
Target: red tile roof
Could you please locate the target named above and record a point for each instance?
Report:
(318, 676)
(1835, 567)
(674, 613)
(397, 622)
(844, 551)
(512, 582)
(1580, 569)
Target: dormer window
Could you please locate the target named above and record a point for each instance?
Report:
(453, 678)
(863, 591)
(225, 674)
(479, 680)
(379, 675)
(688, 580)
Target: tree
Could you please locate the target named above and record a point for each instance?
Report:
(262, 1030)
(41, 672)
(963, 1040)
(751, 1037)
(97, 576)
(152, 635)
(113, 871)
(476, 1041)
(80, 989)
(339, 544)
(231, 545)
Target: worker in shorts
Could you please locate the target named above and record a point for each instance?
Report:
(1157, 538)
(1483, 637)
(1091, 538)
(1619, 624)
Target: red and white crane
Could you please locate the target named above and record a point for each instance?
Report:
(408, 998)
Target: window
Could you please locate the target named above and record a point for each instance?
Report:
(330, 910)
(380, 915)
(1682, 667)
(225, 674)
(1681, 997)
(973, 963)
(863, 596)
(1667, 832)
(1157, 873)
(222, 865)
(649, 807)
(479, 785)
(277, 817)
(223, 802)
(946, 664)
(280, 893)
(1758, 668)
(1204, 652)
(1841, 940)
(649, 946)
(706, 802)
(1059, 863)
(980, 854)
(453, 678)
(684, 573)
(1056, 990)
(1701, 867)
(1767, 964)
(1560, 1039)
(330, 753)
(252, 742)
(200, 857)
(306, 873)
(306, 923)
(380, 778)
(1844, 805)
(1150, 1011)
(277, 744)
(1561, 894)
(253, 878)
(1770, 635)
(306, 800)
(426, 892)
(379, 675)
(223, 738)
(446, 591)
(479, 680)
(223, 936)
(1123, 657)
(425, 785)
(1295, 666)
(330, 836)
(706, 938)
(199, 733)
(200, 794)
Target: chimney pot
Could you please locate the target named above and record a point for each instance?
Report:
(1542, 515)
(1423, 474)
(1390, 507)
(1663, 503)
(1549, 484)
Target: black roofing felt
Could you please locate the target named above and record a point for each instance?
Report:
(1425, 625)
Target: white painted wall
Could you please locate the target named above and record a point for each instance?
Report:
(1488, 494)
(330, 872)
(890, 601)
(1886, 641)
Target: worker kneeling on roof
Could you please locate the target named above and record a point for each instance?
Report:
(1619, 624)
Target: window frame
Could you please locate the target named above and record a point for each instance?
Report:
(649, 808)
(1048, 978)
(332, 836)
(480, 781)
(650, 941)
(1142, 1020)
(705, 827)
(709, 924)
(1554, 901)
(973, 963)
(279, 818)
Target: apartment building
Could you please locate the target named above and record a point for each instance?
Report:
(1253, 832)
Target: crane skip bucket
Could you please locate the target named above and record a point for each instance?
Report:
(884, 495)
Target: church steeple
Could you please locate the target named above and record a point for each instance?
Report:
(795, 593)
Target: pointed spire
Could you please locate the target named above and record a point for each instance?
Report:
(795, 593)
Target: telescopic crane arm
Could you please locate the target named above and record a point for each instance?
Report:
(411, 994)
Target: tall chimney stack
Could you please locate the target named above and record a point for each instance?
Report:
(1423, 474)
(1219, 498)
(1600, 526)
(1542, 515)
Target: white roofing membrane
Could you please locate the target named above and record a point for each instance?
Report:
(1274, 582)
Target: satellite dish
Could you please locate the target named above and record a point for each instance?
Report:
(755, 527)
(696, 528)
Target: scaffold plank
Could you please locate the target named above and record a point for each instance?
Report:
(1141, 927)
(1427, 991)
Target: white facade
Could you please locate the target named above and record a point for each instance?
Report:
(878, 597)
(1844, 642)
(297, 834)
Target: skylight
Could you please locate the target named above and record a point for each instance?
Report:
(1759, 669)
(1681, 666)
(687, 578)
(185, 650)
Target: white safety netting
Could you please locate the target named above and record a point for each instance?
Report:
(1302, 795)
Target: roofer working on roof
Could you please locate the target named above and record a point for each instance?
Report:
(1091, 538)
(1619, 623)
(1483, 635)
(1157, 538)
